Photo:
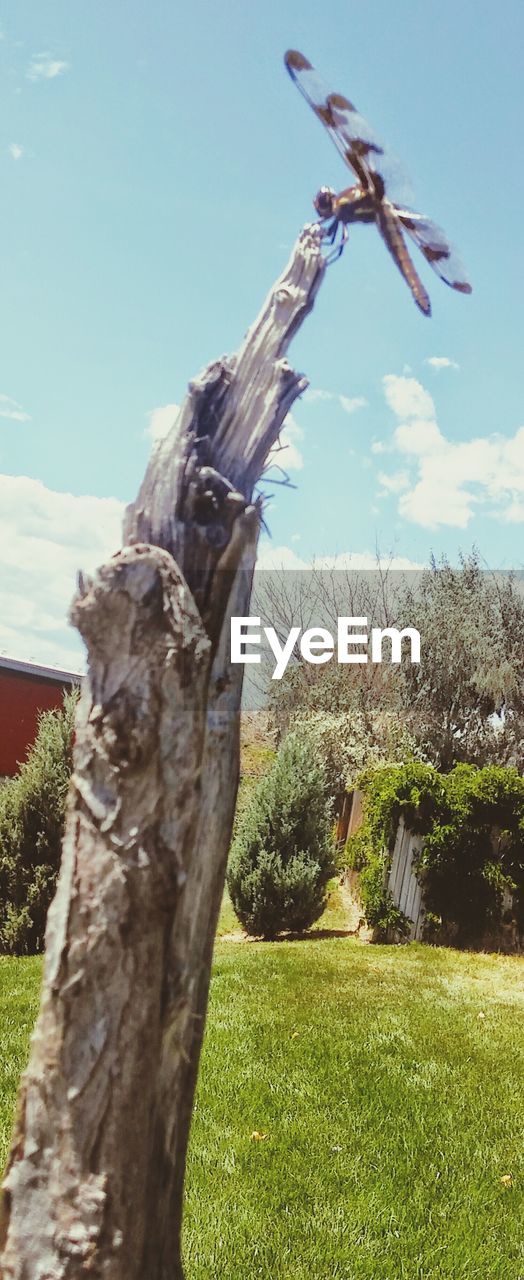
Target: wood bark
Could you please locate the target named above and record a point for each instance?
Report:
(94, 1184)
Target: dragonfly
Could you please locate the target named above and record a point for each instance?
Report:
(368, 200)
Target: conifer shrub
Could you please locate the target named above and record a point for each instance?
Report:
(32, 811)
(281, 858)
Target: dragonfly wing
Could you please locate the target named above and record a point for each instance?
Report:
(435, 246)
(353, 137)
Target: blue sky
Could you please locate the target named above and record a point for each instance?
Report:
(157, 164)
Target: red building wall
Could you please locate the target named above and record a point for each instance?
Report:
(22, 697)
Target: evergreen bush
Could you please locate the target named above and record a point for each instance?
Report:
(32, 810)
(281, 858)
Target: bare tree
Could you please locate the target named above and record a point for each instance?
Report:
(95, 1177)
(314, 597)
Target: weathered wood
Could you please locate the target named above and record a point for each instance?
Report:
(95, 1177)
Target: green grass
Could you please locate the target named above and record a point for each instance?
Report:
(391, 1111)
(19, 993)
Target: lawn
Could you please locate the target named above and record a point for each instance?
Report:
(19, 992)
(391, 1111)
(358, 1108)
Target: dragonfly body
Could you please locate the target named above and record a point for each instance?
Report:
(369, 199)
(353, 205)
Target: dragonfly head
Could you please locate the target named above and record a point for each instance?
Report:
(324, 201)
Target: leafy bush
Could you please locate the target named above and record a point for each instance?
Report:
(352, 740)
(32, 808)
(472, 821)
(281, 857)
(474, 849)
(380, 910)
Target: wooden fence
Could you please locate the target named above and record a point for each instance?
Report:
(402, 882)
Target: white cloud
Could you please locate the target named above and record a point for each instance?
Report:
(427, 506)
(514, 514)
(160, 421)
(15, 150)
(452, 484)
(450, 480)
(285, 558)
(286, 453)
(419, 437)
(279, 558)
(397, 482)
(314, 393)
(362, 560)
(349, 404)
(441, 362)
(378, 446)
(45, 537)
(44, 67)
(407, 397)
(11, 409)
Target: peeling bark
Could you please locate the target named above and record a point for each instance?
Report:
(94, 1184)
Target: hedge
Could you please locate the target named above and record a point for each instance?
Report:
(472, 821)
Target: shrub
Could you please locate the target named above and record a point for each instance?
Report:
(472, 821)
(380, 910)
(350, 741)
(474, 849)
(32, 809)
(281, 857)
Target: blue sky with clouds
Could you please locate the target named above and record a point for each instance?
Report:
(157, 164)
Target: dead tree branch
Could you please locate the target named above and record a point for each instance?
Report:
(95, 1177)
